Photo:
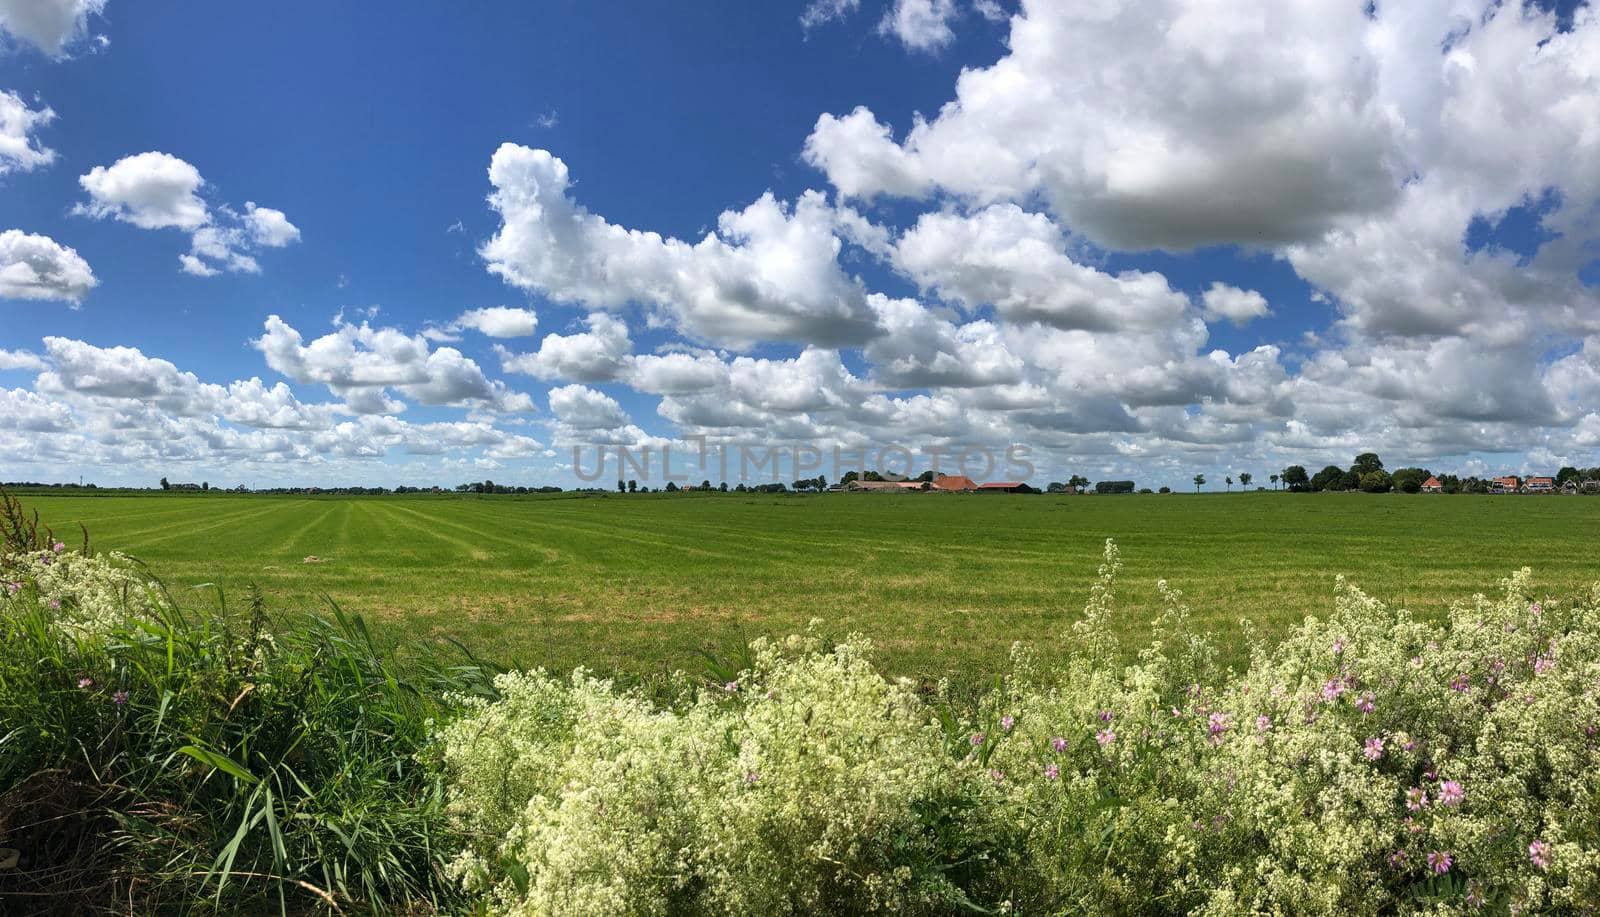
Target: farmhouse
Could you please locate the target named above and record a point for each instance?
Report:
(1432, 486)
(1004, 487)
(1505, 485)
(954, 483)
(1539, 485)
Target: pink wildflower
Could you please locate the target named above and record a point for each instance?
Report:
(996, 776)
(1216, 725)
(1416, 798)
(1539, 854)
(1397, 860)
(1451, 793)
(1007, 721)
(1543, 664)
(1365, 704)
(1105, 737)
(1331, 690)
(977, 738)
(58, 547)
(1051, 771)
(1459, 683)
(1263, 723)
(85, 682)
(1439, 861)
(1104, 716)
(1374, 749)
(1536, 609)
(1058, 744)
(119, 698)
(1338, 646)
(731, 687)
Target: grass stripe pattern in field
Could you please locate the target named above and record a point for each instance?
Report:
(942, 583)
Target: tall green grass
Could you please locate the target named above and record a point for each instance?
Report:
(201, 757)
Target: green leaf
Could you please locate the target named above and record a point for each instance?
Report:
(219, 761)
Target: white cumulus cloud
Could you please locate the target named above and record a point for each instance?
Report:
(770, 272)
(20, 151)
(37, 267)
(50, 25)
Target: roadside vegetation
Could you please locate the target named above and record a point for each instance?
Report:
(167, 754)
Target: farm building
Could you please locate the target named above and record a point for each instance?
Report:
(1005, 487)
(954, 483)
(1539, 485)
(884, 486)
(1505, 485)
(1432, 486)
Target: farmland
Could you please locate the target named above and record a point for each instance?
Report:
(942, 584)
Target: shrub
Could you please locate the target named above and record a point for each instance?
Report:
(808, 785)
(1368, 763)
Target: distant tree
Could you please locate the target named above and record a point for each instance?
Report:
(801, 485)
(740, 489)
(1328, 478)
(706, 484)
(1244, 478)
(633, 486)
(850, 476)
(165, 485)
(1367, 461)
(926, 477)
(488, 487)
(1350, 480)
(1274, 479)
(621, 486)
(1295, 478)
(1146, 490)
(872, 476)
(1199, 482)
(1078, 481)
(205, 485)
(1567, 473)
(723, 487)
(1376, 482)
(672, 487)
(1055, 487)
(822, 482)
(1229, 482)
(1164, 489)
(1409, 480)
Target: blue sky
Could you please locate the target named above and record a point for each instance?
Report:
(1154, 243)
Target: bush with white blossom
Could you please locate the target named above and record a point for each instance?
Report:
(1367, 763)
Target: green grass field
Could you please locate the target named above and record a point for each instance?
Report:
(944, 584)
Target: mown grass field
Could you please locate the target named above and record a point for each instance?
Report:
(943, 584)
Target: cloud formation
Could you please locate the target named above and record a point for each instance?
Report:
(20, 151)
(157, 190)
(52, 26)
(769, 273)
(38, 267)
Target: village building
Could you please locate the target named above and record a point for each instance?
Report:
(1432, 486)
(954, 483)
(1539, 485)
(1004, 487)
